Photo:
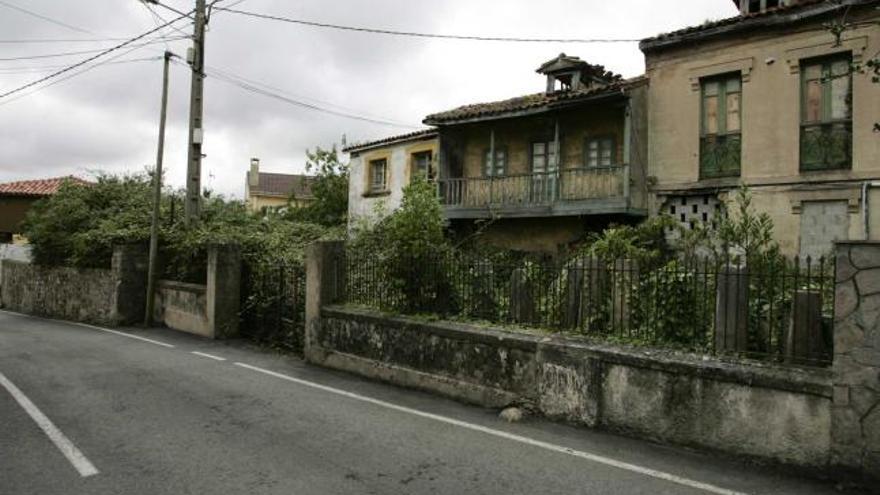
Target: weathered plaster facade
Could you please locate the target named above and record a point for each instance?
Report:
(768, 59)
(366, 205)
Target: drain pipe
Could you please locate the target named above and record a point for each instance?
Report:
(866, 221)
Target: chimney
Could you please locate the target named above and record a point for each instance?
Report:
(254, 174)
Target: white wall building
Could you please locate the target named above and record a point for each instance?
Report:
(379, 170)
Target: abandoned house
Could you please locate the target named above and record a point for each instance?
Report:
(265, 190)
(16, 198)
(767, 98)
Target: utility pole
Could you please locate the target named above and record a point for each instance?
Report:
(193, 205)
(157, 197)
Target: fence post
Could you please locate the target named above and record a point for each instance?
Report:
(732, 309)
(855, 415)
(129, 266)
(522, 301)
(324, 274)
(804, 340)
(224, 289)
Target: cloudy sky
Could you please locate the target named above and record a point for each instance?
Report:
(107, 118)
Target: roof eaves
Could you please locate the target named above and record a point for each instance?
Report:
(743, 23)
(389, 141)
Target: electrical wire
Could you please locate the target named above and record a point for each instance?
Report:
(423, 35)
(84, 52)
(45, 18)
(86, 61)
(47, 68)
(253, 88)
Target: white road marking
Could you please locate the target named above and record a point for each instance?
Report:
(209, 356)
(73, 454)
(124, 334)
(509, 436)
(93, 327)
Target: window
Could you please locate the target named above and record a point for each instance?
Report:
(826, 114)
(600, 152)
(421, 165)
(378, 173)
(544, 157)
(753, 6)
(721, 126)
(496, 167)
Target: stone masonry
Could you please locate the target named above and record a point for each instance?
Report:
(856, 410)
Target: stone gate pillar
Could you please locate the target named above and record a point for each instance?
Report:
(855, 420)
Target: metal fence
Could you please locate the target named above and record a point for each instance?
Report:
(777, 309)
(273, 304)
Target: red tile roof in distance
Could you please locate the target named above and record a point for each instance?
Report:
(38, 187)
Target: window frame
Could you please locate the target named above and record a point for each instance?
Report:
(612, 138)
(413, 172)
(722, 135)
(372, 189)
(826, 120)
(547, 143)
(485, 172)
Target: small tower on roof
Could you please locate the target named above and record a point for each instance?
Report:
(566, 73)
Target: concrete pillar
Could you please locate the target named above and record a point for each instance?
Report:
(732, 310)
(325, 278)
(223, 289)
(129, 267)
(804, 341)
(855, 416)
(522, 298)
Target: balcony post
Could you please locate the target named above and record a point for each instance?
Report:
(556, 161)
(627, 149)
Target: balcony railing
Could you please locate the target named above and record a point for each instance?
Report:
(544, 189)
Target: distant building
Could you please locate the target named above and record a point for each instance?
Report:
(16, 198)
(271, 190)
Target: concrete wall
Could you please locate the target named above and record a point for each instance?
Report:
(183, 307)
(759, 411)
(210, 310)
(856, 412)
(366, 206)
(107, 297)
(771, 108)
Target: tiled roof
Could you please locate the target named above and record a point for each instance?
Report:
(775, 16)
(39, 187)
(533, 102)
(284, 185)
(401, 138)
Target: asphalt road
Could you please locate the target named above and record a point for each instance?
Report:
(168, 416)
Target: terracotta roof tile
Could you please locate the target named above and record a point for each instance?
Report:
(39, 187)
(412, 136)
(535, 101)
(271, 184)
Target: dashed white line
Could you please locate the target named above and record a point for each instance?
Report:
(73, 454)
(209, 356)
(509, 436)
(116, 332)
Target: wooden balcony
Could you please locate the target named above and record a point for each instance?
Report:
(569, 192)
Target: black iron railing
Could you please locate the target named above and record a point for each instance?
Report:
(273, 304)
(780, 310)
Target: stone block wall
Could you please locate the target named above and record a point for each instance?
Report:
(100, 296)
(856, 411)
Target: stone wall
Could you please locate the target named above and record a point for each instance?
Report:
(856, 411)
(775, 413)
(106, 297)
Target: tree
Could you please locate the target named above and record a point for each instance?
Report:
(330, 189)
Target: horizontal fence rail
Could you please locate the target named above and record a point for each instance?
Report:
(779, 310)
(273, 304)
(578, 184)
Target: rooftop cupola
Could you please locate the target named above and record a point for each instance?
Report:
(757, 6)
(565, 73)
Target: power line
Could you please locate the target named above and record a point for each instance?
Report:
(424, 35)
(86, 61)
(45, 18)
(47, 68)
(54, 40)
(83, 52)
(236, 81)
